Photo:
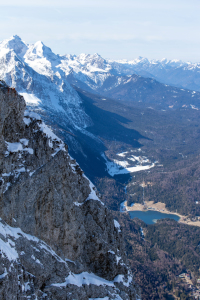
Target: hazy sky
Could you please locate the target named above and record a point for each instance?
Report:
(114, 29)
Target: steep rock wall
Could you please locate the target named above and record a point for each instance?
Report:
(45, 193)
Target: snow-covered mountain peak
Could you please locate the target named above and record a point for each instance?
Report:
(41, 50)
(35, 59)
(42, 59)
(36, 72)
(91, 69)
(38, 49)
(164, 60)
(83, 57)
(93, 62)
(140, 59)
(16, 44)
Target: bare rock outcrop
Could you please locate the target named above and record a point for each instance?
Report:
(58, 240)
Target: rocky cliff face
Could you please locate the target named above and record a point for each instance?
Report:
(58, 240)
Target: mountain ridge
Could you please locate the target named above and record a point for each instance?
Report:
(51, 212)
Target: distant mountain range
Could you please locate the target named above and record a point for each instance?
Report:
(173, 72)
(94, 70)
(66, 91)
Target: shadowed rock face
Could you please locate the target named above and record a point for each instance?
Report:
(58, 223)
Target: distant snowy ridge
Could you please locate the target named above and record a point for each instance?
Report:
(44, 75)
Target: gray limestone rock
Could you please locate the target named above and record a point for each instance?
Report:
(58, 240)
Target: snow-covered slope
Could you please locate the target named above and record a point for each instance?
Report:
(91, 69)
(34, 71)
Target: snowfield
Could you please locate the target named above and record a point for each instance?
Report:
(132, 164)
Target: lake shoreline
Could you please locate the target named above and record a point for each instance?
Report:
(159, 207)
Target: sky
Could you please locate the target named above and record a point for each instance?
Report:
(120, 29)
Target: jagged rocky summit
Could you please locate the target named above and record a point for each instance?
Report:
(57, 239)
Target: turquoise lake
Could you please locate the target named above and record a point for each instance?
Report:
(150, 216)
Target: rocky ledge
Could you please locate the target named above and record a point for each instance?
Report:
(58, 240)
